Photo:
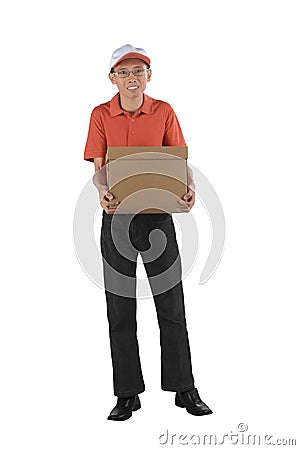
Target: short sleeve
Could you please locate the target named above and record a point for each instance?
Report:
(96, 141)
(173, 134)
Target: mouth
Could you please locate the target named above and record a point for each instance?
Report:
(133, 88)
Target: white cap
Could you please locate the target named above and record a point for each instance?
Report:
(128, 51)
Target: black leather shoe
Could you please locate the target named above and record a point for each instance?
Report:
(124, 407)
(192, 402)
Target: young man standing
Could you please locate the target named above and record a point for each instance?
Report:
(131, 118)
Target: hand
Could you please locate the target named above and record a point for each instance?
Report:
(187, 201)
(107, 201)
(106, 197)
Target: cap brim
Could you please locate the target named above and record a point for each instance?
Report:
(134, 55)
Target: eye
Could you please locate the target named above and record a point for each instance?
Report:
(122, 72)
(139, 71)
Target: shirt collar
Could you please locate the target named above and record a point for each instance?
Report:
(147, 105)
(115, 108)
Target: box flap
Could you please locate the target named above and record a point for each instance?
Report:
(163, 152)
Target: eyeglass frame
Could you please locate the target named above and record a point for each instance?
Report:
(130, 71)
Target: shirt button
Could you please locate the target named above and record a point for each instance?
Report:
(132, 120)
(132, 131)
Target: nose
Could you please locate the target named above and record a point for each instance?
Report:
(131, 77)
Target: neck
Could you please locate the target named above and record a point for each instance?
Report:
(131, 105)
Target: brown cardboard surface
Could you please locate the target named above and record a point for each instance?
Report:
(147, 179)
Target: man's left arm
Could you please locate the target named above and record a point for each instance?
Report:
(188, 200)
(174, 136)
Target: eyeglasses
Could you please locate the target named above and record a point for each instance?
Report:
(126, 73)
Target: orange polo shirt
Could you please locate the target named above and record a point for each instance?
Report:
(154, 124)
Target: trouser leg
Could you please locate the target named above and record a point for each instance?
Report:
(164, 274)
(120, 278)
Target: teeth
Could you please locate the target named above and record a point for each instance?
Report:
(133, 87)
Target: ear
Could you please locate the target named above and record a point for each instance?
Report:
(149, 74)
(112, 78)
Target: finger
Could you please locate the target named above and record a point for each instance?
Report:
(109, 210)
(109, 195)
(112, 203)
(188, 195)
(109, 202)
(107, 207)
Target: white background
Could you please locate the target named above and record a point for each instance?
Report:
(230, 69)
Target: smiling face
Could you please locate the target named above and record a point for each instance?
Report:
(131, 88)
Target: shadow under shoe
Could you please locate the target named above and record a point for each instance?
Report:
(192, 402)
(124, 407)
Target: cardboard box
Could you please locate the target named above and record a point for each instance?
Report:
(147, 179)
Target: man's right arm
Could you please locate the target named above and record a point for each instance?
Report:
(99, 180)
(99, 162)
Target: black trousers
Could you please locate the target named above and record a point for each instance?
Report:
(123, 236)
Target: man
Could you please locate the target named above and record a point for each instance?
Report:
(132, 118)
